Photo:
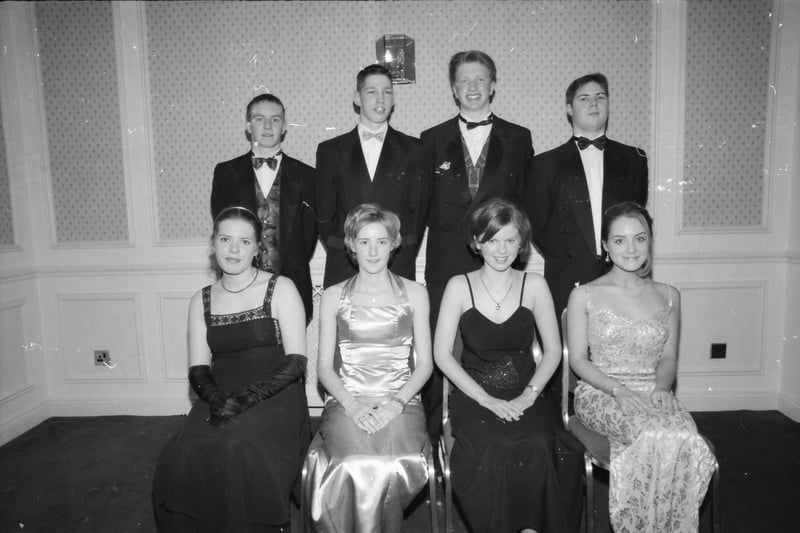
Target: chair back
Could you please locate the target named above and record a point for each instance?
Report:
(566, 372)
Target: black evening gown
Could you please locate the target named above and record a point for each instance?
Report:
(511, 475)
(238, 478)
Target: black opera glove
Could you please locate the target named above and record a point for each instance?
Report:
(222, 406)
(289, 371)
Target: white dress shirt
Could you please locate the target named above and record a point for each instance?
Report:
(592, 159)
(475, 138)
(371, 147)
(266, 176)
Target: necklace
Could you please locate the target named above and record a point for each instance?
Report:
(498, 303)
(372, 295)
(222, 282)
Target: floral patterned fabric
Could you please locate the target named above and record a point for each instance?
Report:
(660, 465)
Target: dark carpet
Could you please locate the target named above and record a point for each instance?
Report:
(93, 474)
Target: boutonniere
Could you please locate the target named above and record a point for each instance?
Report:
(445, 166)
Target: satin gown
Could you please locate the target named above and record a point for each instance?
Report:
(360, 483)
(511, 475)
(238, 478)
(660, 465)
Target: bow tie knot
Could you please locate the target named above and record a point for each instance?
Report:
(367, 135)
(272, 162)
(473, 125)
(584, 143)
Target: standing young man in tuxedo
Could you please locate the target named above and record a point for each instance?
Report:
(279, 189)
(571, 186)
(372, 163)
(472, 157)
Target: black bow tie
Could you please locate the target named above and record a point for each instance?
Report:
(583, 142)
(473, 125)
(272, 162)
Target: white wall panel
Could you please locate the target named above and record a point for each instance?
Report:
(89, 322)
(14, 379)
(173, 312)
(722, 312)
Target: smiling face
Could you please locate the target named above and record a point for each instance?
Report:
(266, 127)
(372, 248)
(473, 88)
(235, 245)
(589, 110)
(375, 100)
(628, 244)
(501, 249)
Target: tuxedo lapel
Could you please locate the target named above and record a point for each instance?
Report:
(454, 154)
(356, 174)
(614, 175)
(386, 168)
(578, 191)
(246, 180)
(290, 197)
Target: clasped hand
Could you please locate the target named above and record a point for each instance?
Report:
(506, 410)
(371, 416)
(632, 402)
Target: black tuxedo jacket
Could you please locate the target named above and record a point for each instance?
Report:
(343, 183)
(557, 202)
(234, 183)
(449, 201)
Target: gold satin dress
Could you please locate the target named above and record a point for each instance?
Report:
(361, 483)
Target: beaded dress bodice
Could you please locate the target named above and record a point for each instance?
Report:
(626, 349)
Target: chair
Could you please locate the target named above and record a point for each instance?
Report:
(432, 496)
(446, 440)
(598, 447)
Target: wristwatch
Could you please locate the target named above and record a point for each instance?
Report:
(533, 388)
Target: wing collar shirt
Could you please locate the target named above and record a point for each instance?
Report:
(372, 147)
(266, 176)
(475, 138)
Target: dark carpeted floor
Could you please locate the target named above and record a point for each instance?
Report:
(93, 474)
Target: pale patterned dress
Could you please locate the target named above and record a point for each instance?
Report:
(660, 465)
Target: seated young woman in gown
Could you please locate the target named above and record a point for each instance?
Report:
(233, 465)
(623, 340)
(514, 467)
(369, 459)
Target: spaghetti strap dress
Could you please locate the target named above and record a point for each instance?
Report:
(238, 478)
(511, 475)
(660, 465)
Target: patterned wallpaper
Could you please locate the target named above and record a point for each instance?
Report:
(207, 59)
(81, 100)
(727, 69)
(6, 219)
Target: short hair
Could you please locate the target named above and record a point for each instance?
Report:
(471, 56)
(630, 210)
(492, 216)
(364, 214)
(238, 212)
(573, 87)
(266, 97)
(369, 70)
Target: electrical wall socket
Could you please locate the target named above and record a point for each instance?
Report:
(719, 350)
(102, 357)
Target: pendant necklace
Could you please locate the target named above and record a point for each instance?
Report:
(498, 303)
(222, 282)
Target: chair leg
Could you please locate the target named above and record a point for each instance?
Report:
(589, 472)
(433, 499)
(305, 525)
(715, 509)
